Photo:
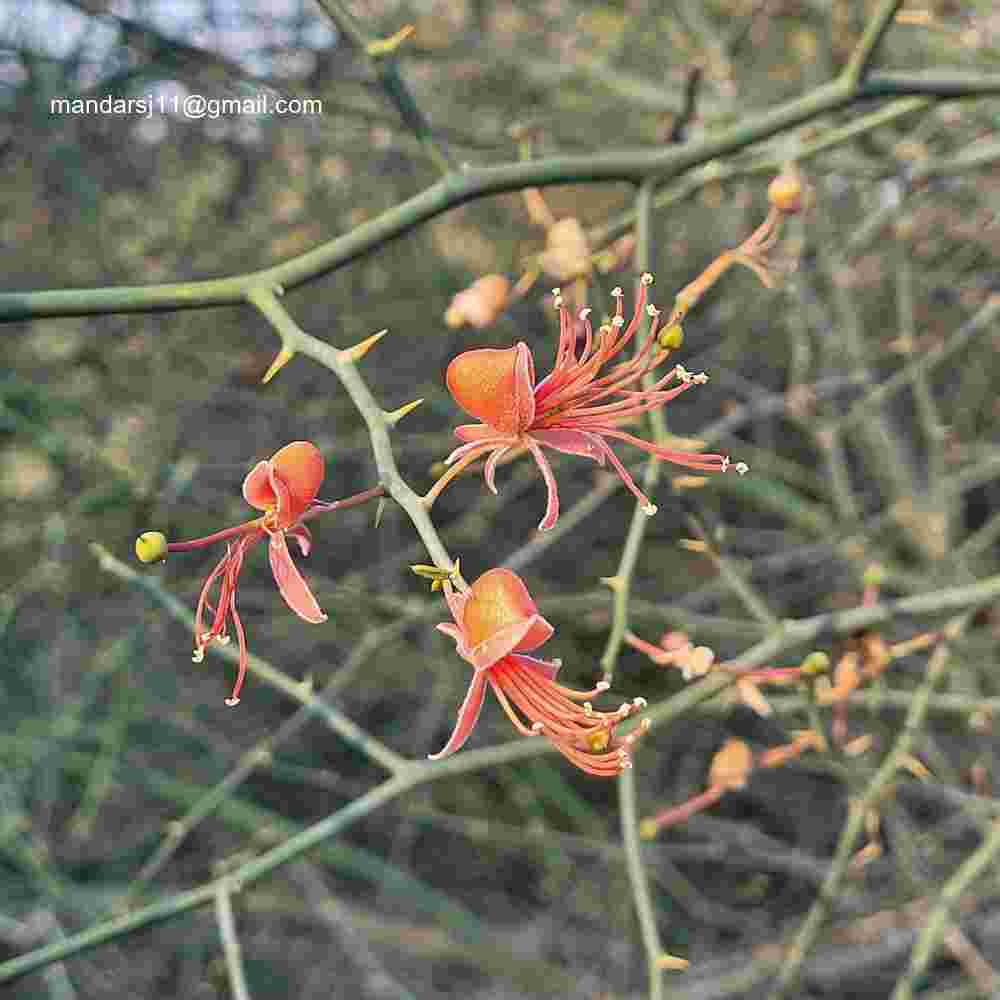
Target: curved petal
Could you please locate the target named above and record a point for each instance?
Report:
(490, 469)
(572, 442)
(475, 432)
(552, 506)
(468, 715)
(495, 386)
(546, 668)
(292, 587)
(303, 536)
(257, 487)
(524, 635)
(497, 599)
(284, 504)
(456, 602)
(300, 467)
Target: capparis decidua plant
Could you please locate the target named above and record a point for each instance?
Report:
(856, 715)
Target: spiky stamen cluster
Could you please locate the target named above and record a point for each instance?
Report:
(565, 717)
(578, 406)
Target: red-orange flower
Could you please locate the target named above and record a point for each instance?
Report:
(576, 408)
(496, 624)
(285, 488)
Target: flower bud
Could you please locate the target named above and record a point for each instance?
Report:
(785, 193)
(480, 304)
(151, 546)
(815, 663)
(670, 337)
(731, 765)
(567, 252)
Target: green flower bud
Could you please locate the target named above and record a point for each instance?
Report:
(151, 546)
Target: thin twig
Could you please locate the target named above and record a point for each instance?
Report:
(230, 940)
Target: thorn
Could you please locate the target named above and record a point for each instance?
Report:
(614, 583)
(380, 510)
(395, 416)
(281, 359)
(671, 963)
(358, 351)
(386, 46)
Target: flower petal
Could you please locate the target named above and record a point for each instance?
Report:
(500, 617)
(300, 467)
(475, 432)
(490, 469)
(572, 443)
(303, 536)
(495, 386)
(552, 506)
(257, 487)
(524, 635)
(468, 715)
(292, 587)
(546, 668)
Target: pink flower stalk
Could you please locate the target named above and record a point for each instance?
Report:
(576, 408)
(284, 487)
(496, 624)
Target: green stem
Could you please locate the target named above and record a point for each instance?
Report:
(458, 188)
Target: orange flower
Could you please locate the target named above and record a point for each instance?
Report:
(284, 487)
(496, 624)
(576, 408)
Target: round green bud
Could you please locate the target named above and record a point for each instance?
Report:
(671, 337)
(815, 664)
(151, 546)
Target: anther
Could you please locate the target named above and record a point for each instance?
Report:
(649, 509)
(617, 292)
(646, 279)
(640, 702)
(198, 655)
(585, 313)
(742, 468)
(602, 685)
(651, 310)
(538, 727)
(232, 701)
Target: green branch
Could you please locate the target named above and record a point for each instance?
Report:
(457, 188)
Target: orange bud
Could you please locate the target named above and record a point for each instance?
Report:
(785, 193)
(731, 765)
(480, 304)
(567, 252)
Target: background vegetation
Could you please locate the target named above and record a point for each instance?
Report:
(862, 393)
